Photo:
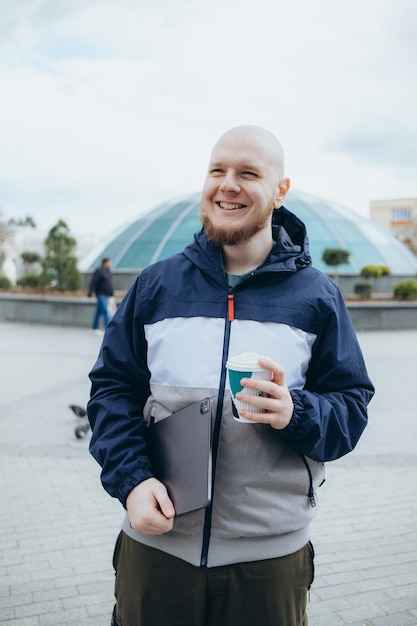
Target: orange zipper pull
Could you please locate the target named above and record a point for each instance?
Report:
(230, 307)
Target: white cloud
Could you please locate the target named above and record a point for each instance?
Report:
(110, 106)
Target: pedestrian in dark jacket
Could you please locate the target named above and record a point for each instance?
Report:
(245, 284)
(101, 285)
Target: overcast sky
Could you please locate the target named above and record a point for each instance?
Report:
(110, 106)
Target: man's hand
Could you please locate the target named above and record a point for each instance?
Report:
(274, 397)
(149, 508)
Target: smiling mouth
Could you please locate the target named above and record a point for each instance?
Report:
(230, 206)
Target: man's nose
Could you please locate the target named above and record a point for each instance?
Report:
(230, 182)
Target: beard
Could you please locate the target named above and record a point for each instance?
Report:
(237, 235)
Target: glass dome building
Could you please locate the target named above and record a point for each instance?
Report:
(169, 227)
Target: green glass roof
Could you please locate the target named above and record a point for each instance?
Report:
(169, 227)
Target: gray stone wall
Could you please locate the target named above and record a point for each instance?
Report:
(68, 311)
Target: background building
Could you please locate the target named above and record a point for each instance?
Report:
(399, 218)
(169, 227)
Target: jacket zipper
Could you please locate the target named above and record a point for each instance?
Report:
(310, 494)
(216, 434)
(217, 426)
(230, 307)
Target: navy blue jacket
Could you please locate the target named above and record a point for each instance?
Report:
(167, 346)
(101, 282)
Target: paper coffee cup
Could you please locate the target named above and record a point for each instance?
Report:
(245, 365)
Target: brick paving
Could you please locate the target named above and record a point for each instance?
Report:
(58, 526)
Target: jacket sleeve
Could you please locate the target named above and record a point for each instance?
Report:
(119, 390)
(330, 413)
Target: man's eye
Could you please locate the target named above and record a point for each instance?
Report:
(216, 170)
(249, 174)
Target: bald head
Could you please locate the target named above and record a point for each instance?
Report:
(259, 139)
(244, 184)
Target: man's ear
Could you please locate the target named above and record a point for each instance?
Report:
(282, 190)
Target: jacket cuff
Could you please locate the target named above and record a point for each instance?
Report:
(293, 430)
(130, 482)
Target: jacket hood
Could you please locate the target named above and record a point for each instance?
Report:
(290, 252)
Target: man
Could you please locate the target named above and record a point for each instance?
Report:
(244, 285)
(102, 285)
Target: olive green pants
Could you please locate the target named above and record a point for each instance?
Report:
(157, 589)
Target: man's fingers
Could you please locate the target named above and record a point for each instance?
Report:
(149, 507)
(165, 504)
(278, 372)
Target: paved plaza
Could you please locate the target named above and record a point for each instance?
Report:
(58, 526)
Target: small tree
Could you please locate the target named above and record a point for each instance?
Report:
(335, 257)
(36, 281)
(5, 283)
(375, 271)
(407, 290)
(60, 263)
(30, 259)
(363, 289)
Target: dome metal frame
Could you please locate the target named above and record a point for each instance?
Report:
(170, 226)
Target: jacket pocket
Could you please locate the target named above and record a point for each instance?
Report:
(310, 494)
(311, 559)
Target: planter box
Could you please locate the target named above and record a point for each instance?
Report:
(394, 315)
(61, 310)
(72, 311)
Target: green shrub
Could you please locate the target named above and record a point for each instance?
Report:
(375, 271)
(5, 283)
(335, 256)
(407, 290)
(30, 258)
(31, 280)
(363, 289)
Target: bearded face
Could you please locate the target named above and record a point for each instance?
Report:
(239, 233)
(243, 185)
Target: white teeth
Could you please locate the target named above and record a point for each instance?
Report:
(229, 206)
